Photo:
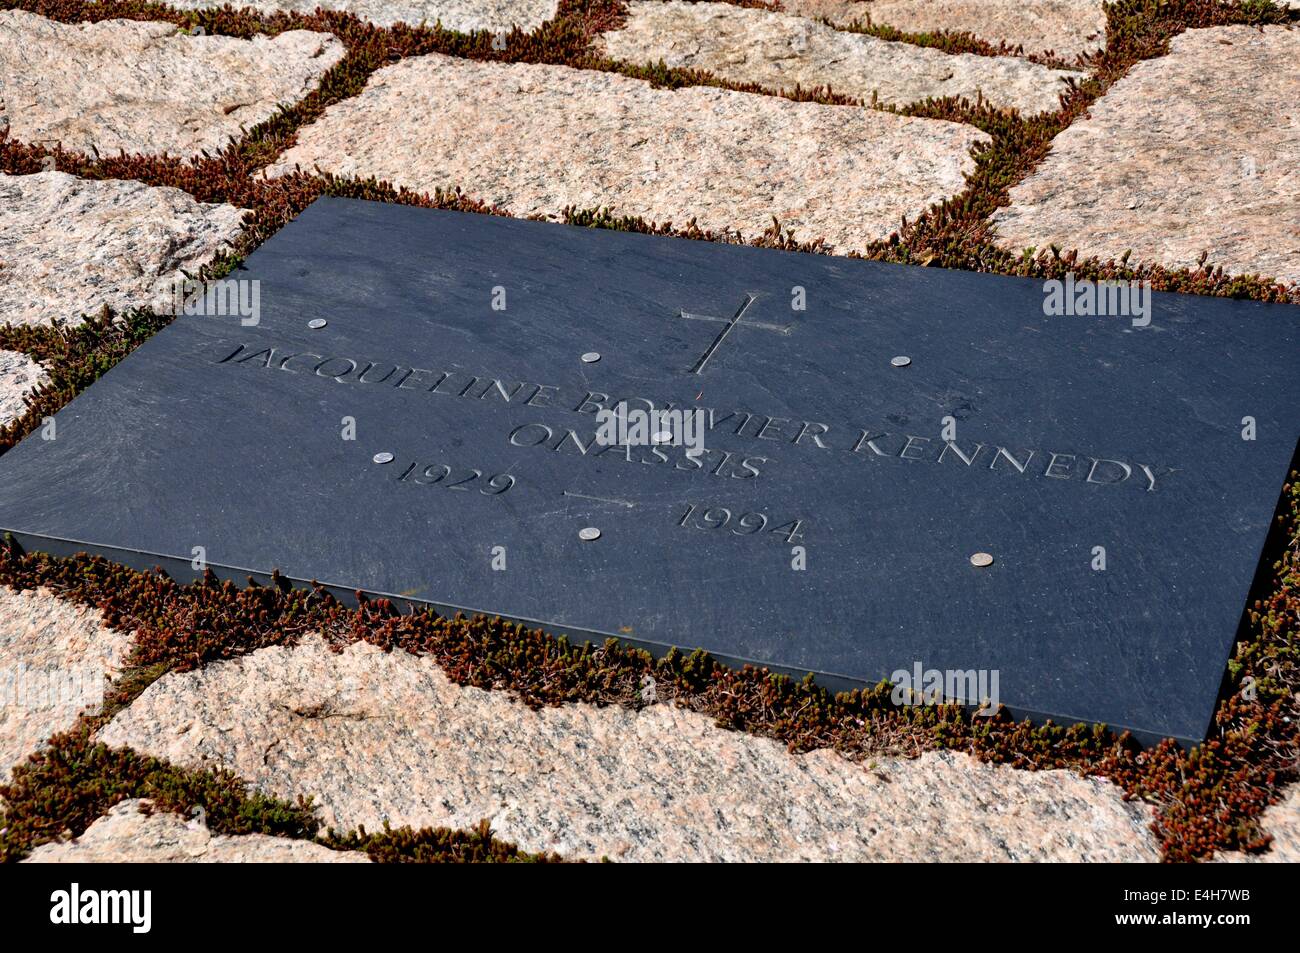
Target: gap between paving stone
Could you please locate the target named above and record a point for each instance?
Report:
(19, 375)
(377, 736)
(535, 139)
(1190, 153)
(70, 245)
(55, 660)
(1282, 821)
(464, 16)
(126, 836)
(1066, 27)
(780, 51)
(148, 87)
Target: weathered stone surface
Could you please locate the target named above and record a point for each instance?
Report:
(146, 87)
(780, 51)
(463, 15)
(1189, 153)
(1066, 27)
(1283, 822)
(127, 836)
(535, 139)
(55, 659)
(18, 375)
(70, 245)
(375, 736)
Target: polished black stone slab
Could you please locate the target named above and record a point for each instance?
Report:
(230, 438)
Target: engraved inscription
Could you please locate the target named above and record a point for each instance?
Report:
(456, 478)
(729, 324)
(848, 441)
(712, 462)
(743, 524)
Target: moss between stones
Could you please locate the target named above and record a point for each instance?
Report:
(74, 359)
(62, 790)
(957, 234)
(1208, 799)
(436, 846)
(956, 42)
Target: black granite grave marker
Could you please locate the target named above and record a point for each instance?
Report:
(829, 524)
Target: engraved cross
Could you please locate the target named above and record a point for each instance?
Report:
(734, 321)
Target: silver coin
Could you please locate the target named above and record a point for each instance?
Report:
(981, 560)
(588, 534)
(317, 323)
(384, 457)
(901, 361)
(591, 357)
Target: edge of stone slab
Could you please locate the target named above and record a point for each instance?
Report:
(62, 658)
(860, 64)
(136, 240)
(461, 16)
(131, 832)
(522, 188)
(1067, 55)
(20, 374)
(148, 118)
(461, 752)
